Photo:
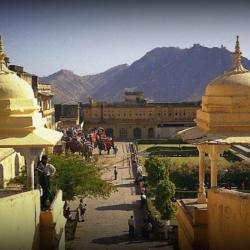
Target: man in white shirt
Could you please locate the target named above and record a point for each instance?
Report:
(45, 170)
(139, 170)
(131, 227)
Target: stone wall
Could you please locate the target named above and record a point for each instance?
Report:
(19, 220)
(53, 225)
(229, 220)
(144, 121)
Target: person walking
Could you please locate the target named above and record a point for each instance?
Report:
(66, 211)
(115, 173)
(131, 227)
(115, 150)
(81, 211)
(143, 200)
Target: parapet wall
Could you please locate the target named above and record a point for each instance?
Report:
(229, 220)
(53, 225)
(19, 220)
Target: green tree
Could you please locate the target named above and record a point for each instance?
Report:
(237, 174)
(76, 177)
(185, 176)
(164, 193)
(157, 170)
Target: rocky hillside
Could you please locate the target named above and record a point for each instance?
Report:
(164, 74)
(69, 87)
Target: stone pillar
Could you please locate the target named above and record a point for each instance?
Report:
(215, 150)
(30, 155)
(201, 193)
(214, 172)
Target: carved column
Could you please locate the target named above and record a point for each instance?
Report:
(215, 150)
(213, 164)
(30, 155)
(201, 192)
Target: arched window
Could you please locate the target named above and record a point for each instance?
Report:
(109, 132)
(151, 133)
(17, 165)
(1, 176)
(137, 133)
(123, 134)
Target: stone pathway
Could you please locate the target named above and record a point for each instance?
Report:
(105, 225)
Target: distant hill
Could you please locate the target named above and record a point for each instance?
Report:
(69, 87)
(164, 74)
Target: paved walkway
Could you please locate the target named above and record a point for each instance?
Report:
(105, 225)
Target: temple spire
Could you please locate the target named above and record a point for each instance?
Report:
(2, 55)
(3, 67)
(237, 66)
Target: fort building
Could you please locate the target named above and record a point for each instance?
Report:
(221, 219)
(135, 118)
(68, 115)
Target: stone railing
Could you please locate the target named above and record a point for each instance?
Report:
(52, 225)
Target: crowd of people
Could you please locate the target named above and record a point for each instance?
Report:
(77, 140)
(79, 211)
(147, 227)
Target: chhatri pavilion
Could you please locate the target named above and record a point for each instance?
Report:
(22, 126)
(23, 224)
(221, 220)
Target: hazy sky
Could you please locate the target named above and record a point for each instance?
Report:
(91, 36)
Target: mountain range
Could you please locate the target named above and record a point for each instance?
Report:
(164, 74)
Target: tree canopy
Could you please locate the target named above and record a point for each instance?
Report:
(161, 186)
(157, 170)
(164, 193)
(77, 177)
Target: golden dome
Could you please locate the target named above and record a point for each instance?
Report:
(235, 82)
(226, 103)
(12, 86)
(21, 123)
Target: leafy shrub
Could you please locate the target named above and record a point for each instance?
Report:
(165, 190)
(164, 148)
(185, 176)
(237, 174)
(159, 141)
(175, 153)
(183, 194)
(157, 170)
(160, 186)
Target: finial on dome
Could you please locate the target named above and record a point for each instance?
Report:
(3, 67)
(2, 55)
(237, 66)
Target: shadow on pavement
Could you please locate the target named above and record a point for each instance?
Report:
(125, 207)
(112, 239)
(128, 178)
(138, 217)
(125, 185)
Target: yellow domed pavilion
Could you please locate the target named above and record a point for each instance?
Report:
(224, 116)
(224, 119)
(22, 126)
